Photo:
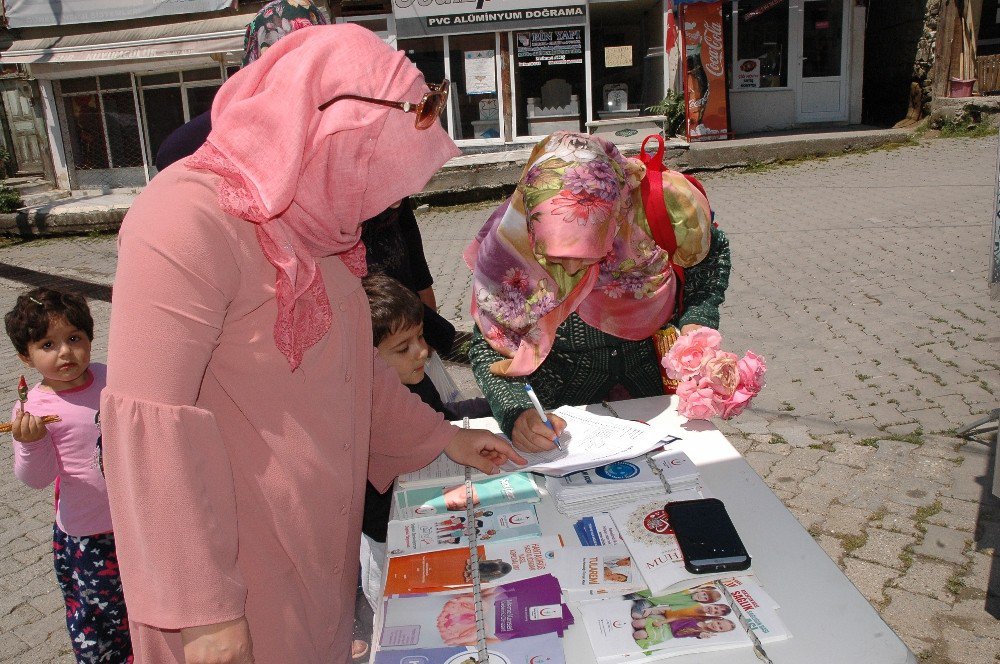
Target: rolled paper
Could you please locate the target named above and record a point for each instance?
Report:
(22, 391)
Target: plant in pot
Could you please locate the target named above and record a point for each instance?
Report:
(671, 106)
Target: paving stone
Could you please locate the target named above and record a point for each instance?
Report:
(917, 492)
(963, 646)
(944, 544)
(914, 614)
(849, 454)
(883, 547)
(928, 577)
(762, 461)
(832, 546)
(968, 614)
(846, 520)
(869, 578)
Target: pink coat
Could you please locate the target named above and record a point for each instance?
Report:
(237, 485)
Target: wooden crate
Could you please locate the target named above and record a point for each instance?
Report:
(988, 73)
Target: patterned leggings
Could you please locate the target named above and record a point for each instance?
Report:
(87, 570)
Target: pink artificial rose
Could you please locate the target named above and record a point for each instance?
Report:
(722, 373)
(690, 352)
(751, 367)
(735, 404)
(697, 400)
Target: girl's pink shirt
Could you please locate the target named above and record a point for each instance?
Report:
(237, 485)
(68, 452)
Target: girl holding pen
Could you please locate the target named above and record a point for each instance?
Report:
(569, 286)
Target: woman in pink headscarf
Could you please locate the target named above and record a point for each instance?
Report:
(569, 284)
(245, 405)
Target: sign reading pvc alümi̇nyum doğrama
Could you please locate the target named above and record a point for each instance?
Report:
(419, 18)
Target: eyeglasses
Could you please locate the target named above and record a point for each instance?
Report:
(427, 111)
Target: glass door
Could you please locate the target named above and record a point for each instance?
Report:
(822, 30)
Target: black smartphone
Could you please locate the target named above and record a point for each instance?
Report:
(707, 537)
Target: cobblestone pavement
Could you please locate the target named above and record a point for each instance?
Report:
(861, 278)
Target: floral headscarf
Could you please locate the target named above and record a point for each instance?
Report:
(275, 20)
(338, 167)
(574, 200)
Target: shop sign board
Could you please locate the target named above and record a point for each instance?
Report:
(553, 47)
(748, 73)
(705, 89)
(35, 14)
(420, 18)
(617, 56)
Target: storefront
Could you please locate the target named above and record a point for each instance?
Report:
(521, 69)
(795, 62)
(110, 98)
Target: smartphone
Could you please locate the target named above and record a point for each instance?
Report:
(707, 537)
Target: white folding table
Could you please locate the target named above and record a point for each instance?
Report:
(830, 621)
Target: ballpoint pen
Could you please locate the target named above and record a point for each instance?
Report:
(541, 413)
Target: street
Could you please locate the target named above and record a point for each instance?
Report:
(862, 279)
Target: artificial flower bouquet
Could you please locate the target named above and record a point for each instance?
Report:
(713, 382)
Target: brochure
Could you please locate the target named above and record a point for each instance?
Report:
(499, 522)
(545, 648)
(510, 611)
(441, 499)
(584, 571)
(448, 569)
(598, 530)
(679, 624)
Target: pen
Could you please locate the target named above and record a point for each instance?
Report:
(541, 412)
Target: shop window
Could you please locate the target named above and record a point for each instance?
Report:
(474, 103)
(103, 125)
(822, 24)
(549, 80)
(428, 55)
(627, 58)
(761, 30)
(164, 114)
(86, 131)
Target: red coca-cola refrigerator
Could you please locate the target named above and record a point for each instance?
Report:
(706, 95)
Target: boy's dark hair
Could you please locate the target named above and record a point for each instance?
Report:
(29, 320)
(394, 306)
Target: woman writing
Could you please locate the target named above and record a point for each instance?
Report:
(569, 286)
(245, 406)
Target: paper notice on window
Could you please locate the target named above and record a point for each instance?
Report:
(617, 56)
(591, 440)
(480, 73)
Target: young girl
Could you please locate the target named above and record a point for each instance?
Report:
(52, 333)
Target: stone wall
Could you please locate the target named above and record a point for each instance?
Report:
(923, 65)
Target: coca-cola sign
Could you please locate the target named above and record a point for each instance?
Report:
(705, 89)
(415, 18)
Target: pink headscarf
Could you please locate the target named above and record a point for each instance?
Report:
(575, 199)
(307, 178)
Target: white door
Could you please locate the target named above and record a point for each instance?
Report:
(819, 34)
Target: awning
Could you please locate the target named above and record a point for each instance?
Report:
(172, 40)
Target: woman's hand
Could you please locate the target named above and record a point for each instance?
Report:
(531, 435)
(221, 643)
(481, 450)
(26, 428)
(690, 327)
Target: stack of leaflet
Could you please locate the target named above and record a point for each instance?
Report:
(523, 621)
(604, 488)
(677, 470)
(700, 618)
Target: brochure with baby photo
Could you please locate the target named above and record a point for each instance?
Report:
(431, 500)
(588, 571)
(499, 522)
(545, 648)
(448, 569)
(510, 611)
(648, 628)
(651, 541)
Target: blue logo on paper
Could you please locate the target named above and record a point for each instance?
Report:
(619, 470)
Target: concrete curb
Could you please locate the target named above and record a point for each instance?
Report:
(476, 178)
